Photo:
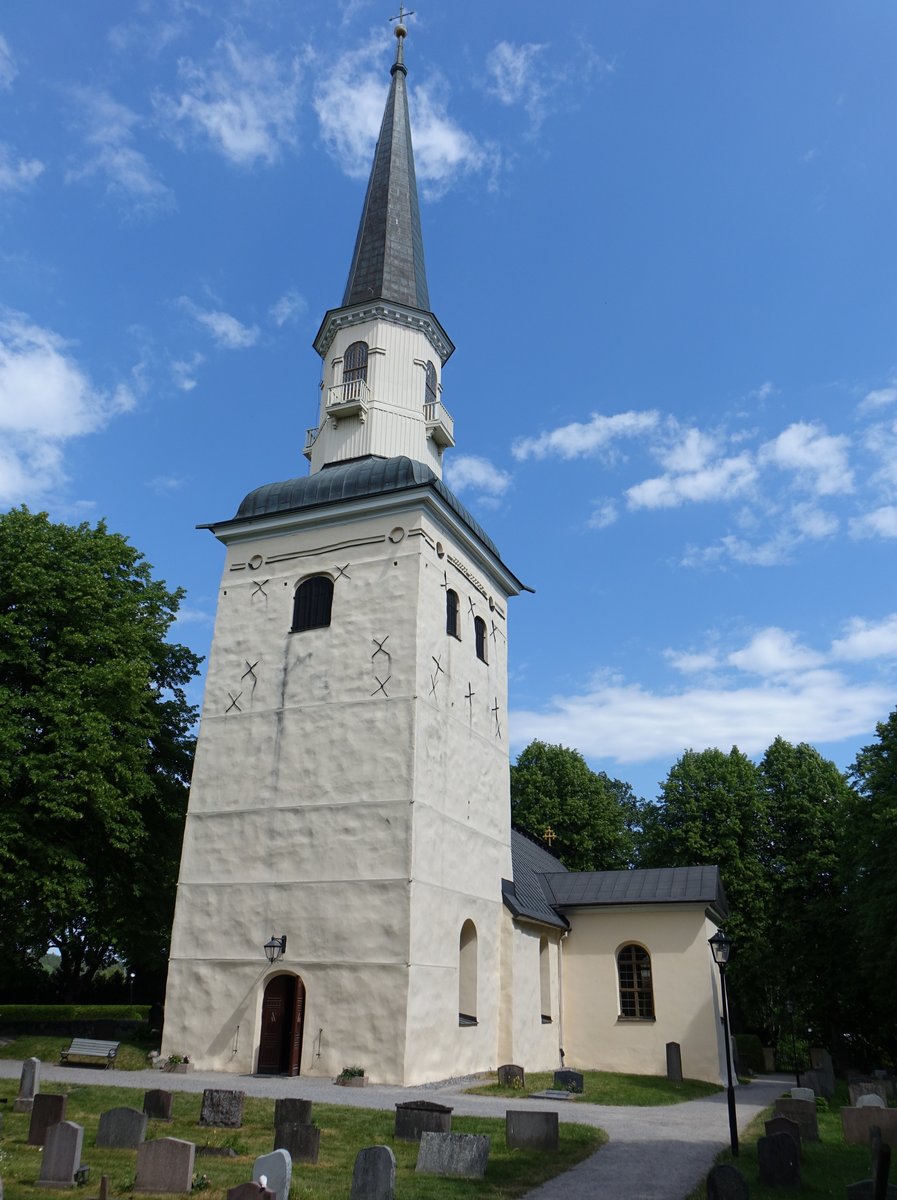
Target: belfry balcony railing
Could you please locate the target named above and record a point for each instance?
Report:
(311, 436)
(349, 399)
(440, 423)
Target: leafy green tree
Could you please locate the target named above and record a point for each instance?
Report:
(712, 812)
(95, 748)
(589, 812)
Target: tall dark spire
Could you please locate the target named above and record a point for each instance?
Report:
(388, 262)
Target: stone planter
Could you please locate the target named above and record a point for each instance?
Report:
(352, 1081)
(178, 1068)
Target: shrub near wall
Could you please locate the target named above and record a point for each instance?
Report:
(73, 1020)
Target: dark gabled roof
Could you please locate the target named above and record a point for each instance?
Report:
(388, 261)
(661, 885)
(354, 480)
(525, 896)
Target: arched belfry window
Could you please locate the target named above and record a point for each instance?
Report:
(451, 613)
(467, 974)
(312, 603)
(430, 386)
(479, 628)
(355, 369)
(636, 988)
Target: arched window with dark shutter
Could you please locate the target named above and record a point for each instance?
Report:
(479, 628)
(636, 988)
(312, 603)
(430, 396)
(451, 614)
(355, 370)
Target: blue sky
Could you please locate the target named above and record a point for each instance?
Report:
(661, 237)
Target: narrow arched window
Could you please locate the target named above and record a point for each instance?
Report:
(545, 979)
(312, 603)
(467, 975)
(355, 370)
(430, 385)
(636, 988)
(451, 613)
(479, 628)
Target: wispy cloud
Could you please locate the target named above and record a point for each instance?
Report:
(879, 398)
(227, 332)
(818, 459)
(880, 522)
(243, 101)
(17, 174)
(288, 308)
(164, 484)
(721, 480)
(8, 68)
(516, 78)
(582, 439)
(183, 371)
(469, 472)
(867, 640)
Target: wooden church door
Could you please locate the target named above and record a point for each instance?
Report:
(280, 1042)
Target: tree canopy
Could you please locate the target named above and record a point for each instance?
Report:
(95, 749)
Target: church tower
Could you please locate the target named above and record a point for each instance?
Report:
(349, 804)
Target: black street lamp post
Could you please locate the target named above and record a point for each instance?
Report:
(721, 946)
(789, 1005)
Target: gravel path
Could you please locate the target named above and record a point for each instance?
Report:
(653, 1154)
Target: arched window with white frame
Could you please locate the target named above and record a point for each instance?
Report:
(636, 986)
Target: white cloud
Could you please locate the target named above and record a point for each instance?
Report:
(17, 174)
(183, 371)
(879, 398)
(8, 68)
(692, 453)
(443, 151)
(881, 522)
(867, 640)
(45, 400)
(691, 662)
(820, 459)
(166, 483)
(227, 332)
(109, 129)
(469, 471)
(243, 101)
(288, 307)
(578, 440)
(772, 652)
(515, 77)
(603, 515)
(193, 616)
(812, 522)
(720, 481)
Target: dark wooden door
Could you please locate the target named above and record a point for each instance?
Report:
(280, 1042)
(295, 1041)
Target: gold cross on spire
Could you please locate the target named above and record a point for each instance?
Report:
(402, 15)
(549, 835)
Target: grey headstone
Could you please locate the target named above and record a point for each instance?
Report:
(785, 1125)
(526, 1130)
(290, 1110)
(165, 1165)
(803, 1093)
(821, 1062)
(822, 1082)
(62, 1155)
(870, 1100)
(222, 1108)
(374, 1176)
(804, 1112)
(461, 1155)
(157, 1104)
(122, 1129)
(867, 1087)
(726, 1182)
(48, 1109)
(301, 1142)
(572, 1081)
(249, 1191)
(674, 1062)
(778, 1161)
(857, 1123)
(29, 1085)
(511, 1076)
(421, 1116)
(277, 1167)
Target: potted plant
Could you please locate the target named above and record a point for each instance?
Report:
(179, 1063)
(352, 1077)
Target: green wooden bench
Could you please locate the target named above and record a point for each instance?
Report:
(90, 1048)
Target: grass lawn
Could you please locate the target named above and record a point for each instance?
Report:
(131, 1055)
(828, 1165)
(601, 1087)
(344, 1132)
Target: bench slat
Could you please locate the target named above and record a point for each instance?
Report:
(91, 1048)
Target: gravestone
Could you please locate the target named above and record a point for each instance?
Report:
(277, 1169)
(726, 1182)
(29, 1086)
(802, 1111)
(511, 1076)
(157, 1104)
(290, 1110)
(48, 1109)
(222, 1108)
(803, 1093)
(821, 1061)
(301, 1142)
(785, 1125)
(104, 1188)
(421, 1116)
(822, 1082)
(249, 1191)
(526, 1130)
(870, 1100)
(571, 1081)
(857, 1123)
(165, 1165)
(778, 1161)
(867, 1087)
(121, 1129)
(459, 1155)
(374, 1176)
(62, 1155)
(674, 1062)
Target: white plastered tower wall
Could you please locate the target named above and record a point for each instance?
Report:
(529, 1039)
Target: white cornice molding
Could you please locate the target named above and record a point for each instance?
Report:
(336, 319)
